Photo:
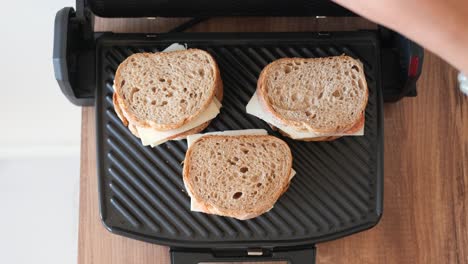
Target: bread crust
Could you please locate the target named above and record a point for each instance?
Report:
(206, 207)
(262, 94)
(151, 124)
(352, 130)
(118, 110)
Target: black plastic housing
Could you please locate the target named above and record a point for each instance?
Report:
(337, 190)
(210, 8)
(296, 255)
(74, 57)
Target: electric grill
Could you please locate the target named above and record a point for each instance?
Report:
(338, 188)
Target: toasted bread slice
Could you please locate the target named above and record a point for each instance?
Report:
(166, 90)
(320, 95)
(237, 176)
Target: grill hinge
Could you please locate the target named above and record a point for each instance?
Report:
(255, 252)
(292, 255)
(242, 252)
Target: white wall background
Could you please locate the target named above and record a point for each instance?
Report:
(35, 117)
(39, 141)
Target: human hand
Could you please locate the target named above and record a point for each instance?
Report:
(440, 26)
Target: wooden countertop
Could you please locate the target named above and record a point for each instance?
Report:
(426, 166)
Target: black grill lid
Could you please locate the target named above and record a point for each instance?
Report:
(200, 8)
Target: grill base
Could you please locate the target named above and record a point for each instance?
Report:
(338, 187)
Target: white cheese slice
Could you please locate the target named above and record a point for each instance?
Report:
(152, 137)
(175, 47)
(194, 206)
(293, 173)
(255, 108)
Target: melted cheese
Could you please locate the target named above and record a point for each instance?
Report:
(254, 108)
(153, 137)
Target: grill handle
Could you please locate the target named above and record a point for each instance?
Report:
(73, 57)
(304, 255)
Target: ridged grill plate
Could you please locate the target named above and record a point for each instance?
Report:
(338, 187)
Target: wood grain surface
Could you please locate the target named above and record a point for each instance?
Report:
(426, 167)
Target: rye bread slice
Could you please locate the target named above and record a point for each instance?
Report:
(237, 176)
(166, 90)
(322, 95)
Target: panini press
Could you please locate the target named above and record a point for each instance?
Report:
(338, 189)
